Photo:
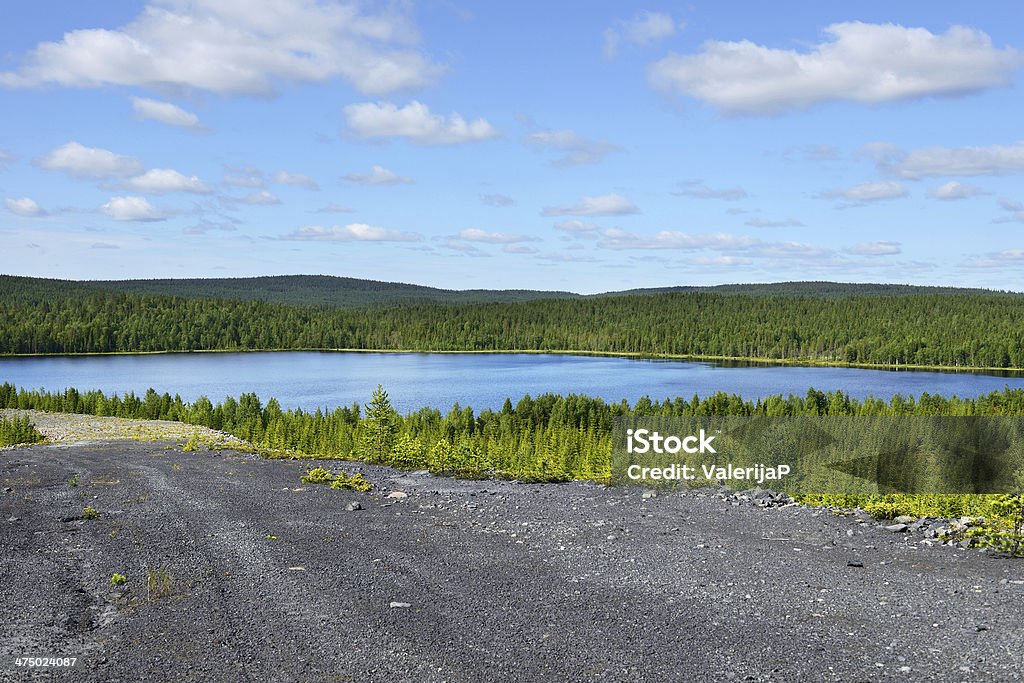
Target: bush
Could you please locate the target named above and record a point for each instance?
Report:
(318, 475)
(355, 482)
(16, 431)
(118, 579)
(89, 512)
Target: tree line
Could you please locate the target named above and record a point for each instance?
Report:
(544, 438)
(949, 330)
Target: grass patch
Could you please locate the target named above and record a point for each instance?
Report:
(159, 584)
(89, 512)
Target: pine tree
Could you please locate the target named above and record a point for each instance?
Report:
(379, 427)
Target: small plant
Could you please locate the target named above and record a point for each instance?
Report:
(176, 467)
(192, 444)
(89, 512)
(74, 481)
(159, 583)
(118, 579)
(318, 475)
(355, 482)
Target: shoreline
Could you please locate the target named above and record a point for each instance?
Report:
(633, 355)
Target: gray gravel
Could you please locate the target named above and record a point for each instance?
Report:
(273, 580)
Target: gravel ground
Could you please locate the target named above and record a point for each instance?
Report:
(273, 580)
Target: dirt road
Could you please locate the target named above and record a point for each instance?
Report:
(266, 579)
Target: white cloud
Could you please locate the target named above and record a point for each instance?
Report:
(5, 159)
(602, 205)
(883, 248)
(132, 209)
(497, 200)
(869, 192)
(243, 176)
(867, 63)
(762, 223)
(164, 112)
(236, 47)
(261, 198)
(616, 238)
(578, 228)
(947, 161)
(574, 148)
(163, 180)
(378, 175)
(466, 249)
(25, 206)
(353, 232)
(297, 179)
(954, 190)
(1014, 211)
(721, 261)
(643, 28)
(334, 207)
(693, 188)
(519, 249)
(999, 259)
(415, 123)
(478, 235)
(89, 162)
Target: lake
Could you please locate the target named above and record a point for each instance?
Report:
(309, 380)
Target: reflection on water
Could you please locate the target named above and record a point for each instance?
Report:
(325, 379)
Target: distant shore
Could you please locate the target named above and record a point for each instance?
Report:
(740, 360)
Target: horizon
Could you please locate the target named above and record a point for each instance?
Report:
(627, 146)
(510, 289)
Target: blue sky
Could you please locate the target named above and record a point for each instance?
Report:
(582, 146)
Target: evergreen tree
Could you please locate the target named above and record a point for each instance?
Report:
(379, 427)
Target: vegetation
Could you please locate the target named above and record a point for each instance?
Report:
(355, 482)
(118, 579)
(295, 290)
(18, 430)
(318, 475)
(89, 512)
(73, 482)
(920, 327)
(159, 583)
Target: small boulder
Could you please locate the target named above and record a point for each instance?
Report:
(896, 528)
(354, 505)
(398, 494)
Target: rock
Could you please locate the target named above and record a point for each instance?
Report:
(855, 563)
(8, 489)
(905, 519)
(649, 494)
(400, 605)
(896, 528)
(398, 494)
(354, 505)
(12, 518)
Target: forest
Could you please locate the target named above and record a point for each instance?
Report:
(968, 329)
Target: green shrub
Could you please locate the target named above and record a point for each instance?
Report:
(74, 481)
(118, 579)
(317, 475)
(355, 482)
(89, 512)
(16, 431)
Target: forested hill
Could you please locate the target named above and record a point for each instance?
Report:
(824, 290)
(981, 330)
(346, 292)
(320, 290)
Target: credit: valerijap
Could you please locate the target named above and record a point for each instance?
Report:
(759, 473)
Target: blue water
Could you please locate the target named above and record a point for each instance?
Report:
(323, 379)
